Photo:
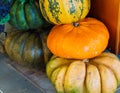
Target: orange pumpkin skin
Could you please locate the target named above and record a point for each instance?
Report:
(86, 40)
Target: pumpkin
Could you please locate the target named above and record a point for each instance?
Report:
(85, 39)
(100, 74)
(25, 15)
(28, 48)
(64, 11)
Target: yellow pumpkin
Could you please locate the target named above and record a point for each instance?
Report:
(97, 75)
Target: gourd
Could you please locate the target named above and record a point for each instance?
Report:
(100, 74)
(64, 11)
(84, 39)
(28, 48)
(25, 15)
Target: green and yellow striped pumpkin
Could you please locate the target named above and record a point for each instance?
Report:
(64, 11)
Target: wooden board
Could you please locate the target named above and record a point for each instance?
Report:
(108, 11)
(35, 77)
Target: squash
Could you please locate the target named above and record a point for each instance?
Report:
(85, 39)
(28, 48)
(25, 15)
(64, 11)
(100, 74)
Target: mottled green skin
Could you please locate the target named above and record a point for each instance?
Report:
(20, 17)
(55, 9)
(25, 15)
(26, 48)
(13, 10)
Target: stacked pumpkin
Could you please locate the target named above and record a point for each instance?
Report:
(79, 64)
(25, 15)
(28, 48)
(100, 74)
(27, 44)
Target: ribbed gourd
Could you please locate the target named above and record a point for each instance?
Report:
(28, 48)
(25, 15)
(100, 74)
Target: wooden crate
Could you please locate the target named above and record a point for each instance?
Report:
(108, 11)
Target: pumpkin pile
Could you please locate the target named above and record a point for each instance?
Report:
(79, 63)
(74, 36)
(27, 44)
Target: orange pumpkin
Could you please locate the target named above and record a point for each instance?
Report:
(85, 39)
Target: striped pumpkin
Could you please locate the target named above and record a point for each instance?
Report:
(28, 48)
(64, 11)
(25, 15)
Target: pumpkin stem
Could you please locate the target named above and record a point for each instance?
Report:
(86, 60)
(76, 24)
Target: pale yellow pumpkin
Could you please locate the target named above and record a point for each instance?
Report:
(100, 74)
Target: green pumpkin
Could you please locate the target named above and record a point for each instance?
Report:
(25, 15)
(28, 48)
